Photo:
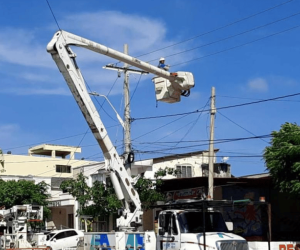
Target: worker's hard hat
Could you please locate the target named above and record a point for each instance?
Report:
(161, 59)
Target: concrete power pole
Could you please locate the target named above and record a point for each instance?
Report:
(211, 146)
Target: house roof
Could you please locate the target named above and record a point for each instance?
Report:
(179, 156)
(60, 150)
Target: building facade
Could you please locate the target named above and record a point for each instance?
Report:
(51, 164)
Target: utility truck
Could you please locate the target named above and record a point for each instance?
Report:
(15, 223)
(178, 228)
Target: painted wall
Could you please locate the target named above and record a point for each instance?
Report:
(37, 166)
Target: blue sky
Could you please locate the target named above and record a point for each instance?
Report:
(245, 59)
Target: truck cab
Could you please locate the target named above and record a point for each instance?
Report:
(194, 229)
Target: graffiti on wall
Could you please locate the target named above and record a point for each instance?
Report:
(246, 220)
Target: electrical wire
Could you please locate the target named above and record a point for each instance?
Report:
(199, 145)
(229, 37)
(226, 107)
(215, 140)
(240, 126)
(219, 28)
(164, 126)
(53, 15)
(194, 123)
(232, 156)
(238, 46)
(160, 127)
(245, 98)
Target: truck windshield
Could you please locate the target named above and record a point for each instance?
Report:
(192, 222)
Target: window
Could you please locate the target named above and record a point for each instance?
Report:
(192, 222)
(60, 236)
(184, 171)
(174, 227)
(70, 233)
(97, 177)
(63, 169)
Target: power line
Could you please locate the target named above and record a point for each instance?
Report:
(194, 123)
(168, 124)
(232, 156)
(204, 144)
(238, 46)
(239, 126)
(164, 116)
(245, 98)
(219, 28)
(53, 15)
(216, 140)
(159, 127)
(226, 107)
(230, 37)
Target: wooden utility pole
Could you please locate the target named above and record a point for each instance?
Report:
(211, 146)
(128, 154)
(127, 135)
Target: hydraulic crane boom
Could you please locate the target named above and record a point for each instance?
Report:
(59, 47)
(168, 86)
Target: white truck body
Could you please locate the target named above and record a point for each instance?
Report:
(14, 225)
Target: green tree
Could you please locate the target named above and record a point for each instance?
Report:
(98, 200)
(24, 192)
(104, 200)
(79, 189)
(150, 191)
(283, 158)
(101, 200)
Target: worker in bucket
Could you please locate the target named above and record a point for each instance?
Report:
(162, 64)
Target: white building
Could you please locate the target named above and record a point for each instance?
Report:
(51, 164)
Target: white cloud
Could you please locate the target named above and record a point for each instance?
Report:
(21, 47)
(36, 91)
(34, 77)
(27, 49)
(258, 84)
(115, 28)
(6, 130)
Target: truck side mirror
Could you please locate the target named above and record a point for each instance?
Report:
(161, 231)
(229, 225)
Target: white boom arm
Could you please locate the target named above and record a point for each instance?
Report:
(65, 60)
(169, 87)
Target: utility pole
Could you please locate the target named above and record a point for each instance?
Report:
(211, 146)
(127, 135)
(128, 154)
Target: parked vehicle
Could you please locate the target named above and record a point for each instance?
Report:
(66, 238)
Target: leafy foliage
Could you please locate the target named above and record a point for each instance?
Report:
(24, 192)
(101, 200)
(150, 190)
(283, 158)
(79, 189)
(104, 199)
(98, 200)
